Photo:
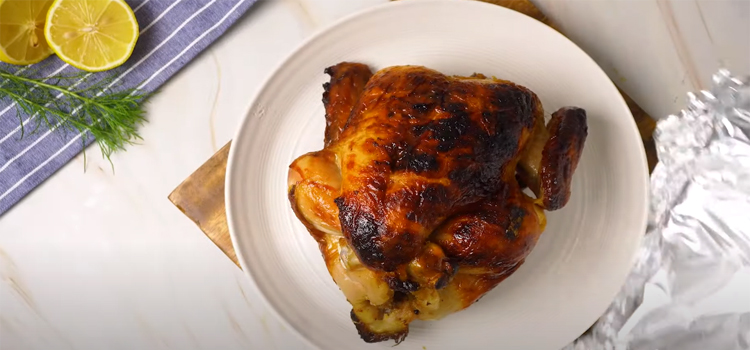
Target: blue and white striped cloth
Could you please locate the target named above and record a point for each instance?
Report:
(172, 33)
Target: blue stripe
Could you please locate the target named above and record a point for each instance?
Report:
(145, 16)
(34, 166)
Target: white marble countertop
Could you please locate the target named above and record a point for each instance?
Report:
(103, 260)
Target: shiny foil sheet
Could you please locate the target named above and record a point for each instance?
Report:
(690, 286)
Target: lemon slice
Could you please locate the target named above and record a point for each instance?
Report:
(93, 35)
(22, 31)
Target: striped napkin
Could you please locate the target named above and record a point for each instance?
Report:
(172, 33)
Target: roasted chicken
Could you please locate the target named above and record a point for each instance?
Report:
(417, 200)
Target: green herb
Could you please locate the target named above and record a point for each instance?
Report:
(78, 103)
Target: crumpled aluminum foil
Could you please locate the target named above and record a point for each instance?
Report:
(690, 286)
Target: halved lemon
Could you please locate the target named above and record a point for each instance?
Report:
(93, 35)
(22, 31)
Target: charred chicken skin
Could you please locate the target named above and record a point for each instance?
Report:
(417, 199)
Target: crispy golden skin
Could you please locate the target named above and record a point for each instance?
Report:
(415, 200)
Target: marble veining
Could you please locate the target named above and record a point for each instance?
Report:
(100, 259)
(212, 116)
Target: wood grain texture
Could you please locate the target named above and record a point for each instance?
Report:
(201, 196)
(523, 6)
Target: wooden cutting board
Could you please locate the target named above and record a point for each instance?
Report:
(201, 196)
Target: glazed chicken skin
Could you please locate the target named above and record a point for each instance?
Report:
(417, 200)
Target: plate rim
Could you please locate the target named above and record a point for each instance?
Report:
(247, 121)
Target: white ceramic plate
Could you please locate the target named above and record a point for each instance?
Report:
(581, 259)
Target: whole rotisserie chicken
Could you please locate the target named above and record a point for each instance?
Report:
(417, 199)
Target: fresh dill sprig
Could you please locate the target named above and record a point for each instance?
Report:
(78, 103)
